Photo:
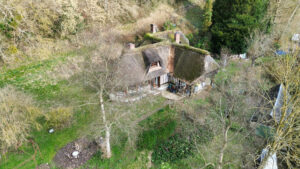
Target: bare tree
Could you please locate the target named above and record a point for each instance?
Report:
(225, 54)
(260, 44)
(100, 74)
(286, 138)
(229, 101)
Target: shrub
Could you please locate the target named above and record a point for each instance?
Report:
(175, 148)
(198, 41)
(169, 25)
(59, 117)
(18, 116)
(236, 127)
(165, 166)
(150, 138)
(204, 135)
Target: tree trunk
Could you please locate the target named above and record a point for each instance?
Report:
(107, 153)
(1, 56)
(220, 163)
(253, 58)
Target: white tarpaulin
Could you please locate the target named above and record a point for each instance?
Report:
(271, 163)
(296, 37)
(278, 105)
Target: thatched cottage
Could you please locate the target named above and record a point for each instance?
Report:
(169, 63)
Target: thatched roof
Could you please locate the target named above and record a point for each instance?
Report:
(151, 56)
(188, 65)
(131, 69)
(134, 64)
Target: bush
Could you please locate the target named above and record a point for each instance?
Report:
(169, 26)
(18, 116)
(198, 41)
(175, 148)
(150, 138)
(236, 127)
(204, 135)
(59, 117)
(165, 166)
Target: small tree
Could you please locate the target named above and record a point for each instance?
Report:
(259, 44)
(18, 117)
(207, 15)
(100, 72)
(285, 142)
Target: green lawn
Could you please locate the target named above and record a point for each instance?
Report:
(34, 80)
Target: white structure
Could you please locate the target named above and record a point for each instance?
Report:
(75, 154)
(239, 56)
(278, 105)
(296, 38)
(271, 163)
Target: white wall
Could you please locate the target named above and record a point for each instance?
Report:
(164, 79)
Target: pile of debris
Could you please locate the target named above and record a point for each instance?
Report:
(75, 153)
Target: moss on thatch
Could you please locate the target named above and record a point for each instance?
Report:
(189, 64)
(154, 39)
(187, 47)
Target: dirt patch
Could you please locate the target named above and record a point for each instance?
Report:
(86, 149)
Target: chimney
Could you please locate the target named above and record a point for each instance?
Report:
(131, 46)
(177, 37)
(153, 28)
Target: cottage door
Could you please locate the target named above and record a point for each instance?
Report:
(158, 81)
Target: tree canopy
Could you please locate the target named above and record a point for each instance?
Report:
(234, 20)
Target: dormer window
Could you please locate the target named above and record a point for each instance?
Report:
(154, 66)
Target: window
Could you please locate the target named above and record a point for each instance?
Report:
(155, 64)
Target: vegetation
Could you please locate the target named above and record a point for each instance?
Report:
(173, 149)
(169, 25)
(207, 15)
(58, 60)
(158, 129)
(59, 117)
(286, 71)
(233, 21)
(18, 118)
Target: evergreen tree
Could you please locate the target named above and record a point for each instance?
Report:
(233, 22)
(207, 15)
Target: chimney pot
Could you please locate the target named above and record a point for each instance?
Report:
(154, 28)
(131, 46)
(177, 37)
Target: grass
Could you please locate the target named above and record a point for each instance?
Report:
(33, 79)
(123, 157)
(48, 143)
